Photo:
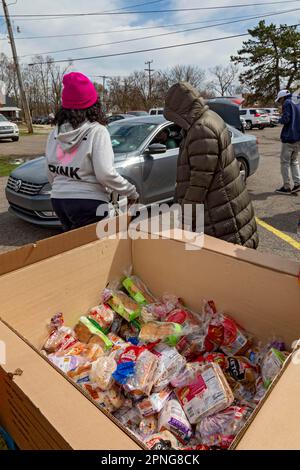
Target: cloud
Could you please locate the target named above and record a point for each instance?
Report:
(203, 55)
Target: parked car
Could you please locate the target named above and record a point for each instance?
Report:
(138, 113)
(8, 129)
(138, 157)
(274, 116)
(156, 111)
(255, 118)
(229, 111)
(118, 117)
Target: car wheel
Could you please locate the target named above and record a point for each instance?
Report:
(249, 125)
(243, 168)
(15, 139)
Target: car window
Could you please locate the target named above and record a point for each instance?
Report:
(2, 118)
(252, 111)
(261, 111)
(243, 112)
(128, 137)
(170, 136)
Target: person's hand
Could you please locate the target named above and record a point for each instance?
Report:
(132, 201)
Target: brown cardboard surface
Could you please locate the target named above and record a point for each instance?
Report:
(276, 425)
(43, 249)
(43, 410)
(70, 282)
(263, 298)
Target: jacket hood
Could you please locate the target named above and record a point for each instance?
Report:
(70, 138)
(184, 105)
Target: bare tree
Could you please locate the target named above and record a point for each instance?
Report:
(225, 79)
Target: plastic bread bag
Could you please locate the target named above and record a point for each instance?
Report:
(148, 426)
(170, 364)
(87, 332)
(101, 372)
(207, 394)
(138, 290)
(220, 429)
(172, 418)
(159, 309)
(260, 391)
(129, 417)
(155, 331)
(81, 374)
(190, 321)
(154, 403)
(60, 339)
(164, 440)
(271, 365)
(56, 322)
(235, 368)
(186, 375)
(223, 332)
(103, 316)
(191, 345)
(111, 400)
(122, 304)
(131, 330)
(65, 363)
(92, 352)
(141, 382)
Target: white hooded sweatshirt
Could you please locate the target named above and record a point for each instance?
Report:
(80, 164)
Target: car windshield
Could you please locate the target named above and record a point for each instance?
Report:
(2, 118)
(128, 137)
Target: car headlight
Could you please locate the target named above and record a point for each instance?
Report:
(46, 189)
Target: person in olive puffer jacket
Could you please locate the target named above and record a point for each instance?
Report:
(207, 171)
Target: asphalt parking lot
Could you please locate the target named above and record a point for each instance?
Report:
(278, 214)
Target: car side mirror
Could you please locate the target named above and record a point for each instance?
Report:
(155, 149)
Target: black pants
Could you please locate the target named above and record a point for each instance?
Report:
(75, 213)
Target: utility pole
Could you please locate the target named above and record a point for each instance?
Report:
(104, 78)
(17, 66)
(149, 70)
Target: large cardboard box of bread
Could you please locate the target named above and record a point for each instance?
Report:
(42, 409)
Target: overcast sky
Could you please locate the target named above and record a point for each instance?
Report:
(203, 55)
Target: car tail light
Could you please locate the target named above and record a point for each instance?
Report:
(257, 115)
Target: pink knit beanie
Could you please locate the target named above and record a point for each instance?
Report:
(78, 91)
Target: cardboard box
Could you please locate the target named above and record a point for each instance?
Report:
(42, 409)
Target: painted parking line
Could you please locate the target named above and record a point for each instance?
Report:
(279, 234)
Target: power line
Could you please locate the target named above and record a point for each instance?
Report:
(114, 31)
(138, 5)
(161, 34)
(107, 13)
(173, 46)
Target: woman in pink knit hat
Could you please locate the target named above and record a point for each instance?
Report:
(80, 158)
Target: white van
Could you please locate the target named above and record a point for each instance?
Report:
(156, 111)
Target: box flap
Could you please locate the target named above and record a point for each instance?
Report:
(43, 249)
(257, 296)
(86, 427)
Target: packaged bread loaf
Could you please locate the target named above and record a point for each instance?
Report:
(138, 290)
(207, 394)
(124, 305)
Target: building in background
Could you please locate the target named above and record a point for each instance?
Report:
(10, 110)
